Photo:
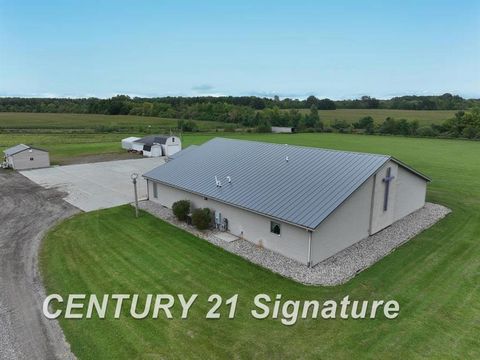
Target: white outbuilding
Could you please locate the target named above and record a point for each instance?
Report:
(158, 145)
(283, 130)
(304, 203)
(24, 157)
(128, 142)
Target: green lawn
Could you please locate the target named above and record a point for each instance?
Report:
(435, 277)
(63, 146)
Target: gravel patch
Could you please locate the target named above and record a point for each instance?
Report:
(335, 270)
(27, 212)
(9, 347)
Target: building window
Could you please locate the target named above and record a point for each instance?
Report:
(155, 191)
(275, 228)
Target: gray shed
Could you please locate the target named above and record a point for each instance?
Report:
(305, 203)
(23, 157)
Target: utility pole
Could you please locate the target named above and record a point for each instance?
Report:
(134, 177)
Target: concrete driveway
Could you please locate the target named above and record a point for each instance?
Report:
(26, 212)
(97, 185)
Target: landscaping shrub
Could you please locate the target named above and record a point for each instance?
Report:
(202, 218)
(181, 209)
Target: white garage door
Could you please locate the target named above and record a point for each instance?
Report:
(172, 149)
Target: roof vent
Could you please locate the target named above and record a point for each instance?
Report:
(217, 182)
(229, 179)
(286, 158)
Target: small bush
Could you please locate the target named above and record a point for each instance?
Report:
(426, 131)
(229, 128)
(181, 209)
(202, 218)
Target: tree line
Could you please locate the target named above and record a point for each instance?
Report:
(465, 125)
(223, 108)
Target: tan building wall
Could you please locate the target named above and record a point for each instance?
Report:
(410, 193)
(348, 224)
(362, 214)
(358, 217)
(29, 159)
(380, 218)
(292, 242)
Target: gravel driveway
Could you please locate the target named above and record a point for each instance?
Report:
(26, 212)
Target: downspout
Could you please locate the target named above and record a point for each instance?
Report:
(309, 262)
(148, 189)
(372, 204)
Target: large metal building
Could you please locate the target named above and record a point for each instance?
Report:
(23, 157)
(305, 203)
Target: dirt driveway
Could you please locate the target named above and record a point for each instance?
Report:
(26, 212)
(98, 185)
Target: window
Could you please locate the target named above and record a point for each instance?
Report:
(275, 228)
(155, 191)
(173, 139)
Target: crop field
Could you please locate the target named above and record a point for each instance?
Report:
(90, 122)
(424, 117)
(435, 277)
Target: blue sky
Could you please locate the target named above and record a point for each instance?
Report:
(335, 49)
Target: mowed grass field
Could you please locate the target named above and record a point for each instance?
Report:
(64, 146)
(435, 277)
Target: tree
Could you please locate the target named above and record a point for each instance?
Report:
(340, 125)
(312, 120)
(187, 126)
(389, 126)
(264, 125)
(366, 123)
(311, 101)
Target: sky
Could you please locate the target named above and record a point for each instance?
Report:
(335, 49)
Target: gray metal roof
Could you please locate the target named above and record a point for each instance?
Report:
(302, 191)
(182, 152)
(15, 149)
(153, 139)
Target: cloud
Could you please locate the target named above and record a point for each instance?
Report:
(203, 88)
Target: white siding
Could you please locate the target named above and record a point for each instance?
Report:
(293, 241)
(29, 159)
(172, 146)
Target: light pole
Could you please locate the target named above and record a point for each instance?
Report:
(134, 177)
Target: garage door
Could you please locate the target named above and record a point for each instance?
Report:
(172, 149)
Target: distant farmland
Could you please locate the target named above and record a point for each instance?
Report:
(53, 121)
(85, 122)
(424, 117)
(69, 136)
